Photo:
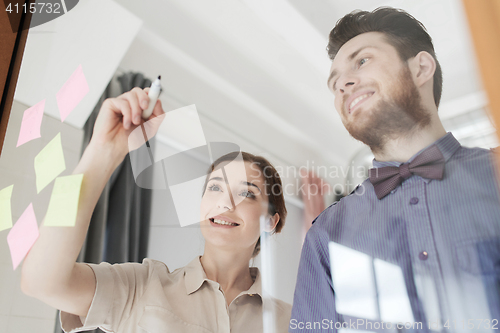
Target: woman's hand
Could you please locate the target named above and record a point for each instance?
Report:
(119, 116)
(50, 272)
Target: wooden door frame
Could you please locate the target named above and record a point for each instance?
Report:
(12, 45)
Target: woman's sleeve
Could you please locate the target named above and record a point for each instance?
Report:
(118, 288)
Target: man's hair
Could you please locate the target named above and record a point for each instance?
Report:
(403, 31)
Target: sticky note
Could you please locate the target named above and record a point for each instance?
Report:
(49, 163)
(5, 212)
(30, 126)
(22, 236)
(63, 204)
(72, 93)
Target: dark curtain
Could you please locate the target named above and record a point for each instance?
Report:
(119, 227)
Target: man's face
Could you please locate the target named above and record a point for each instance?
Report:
(375, 95)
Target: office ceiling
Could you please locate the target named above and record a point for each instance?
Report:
(258, 68)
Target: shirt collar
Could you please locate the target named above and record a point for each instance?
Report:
(447, 144)
(194, 277)
(256, 288)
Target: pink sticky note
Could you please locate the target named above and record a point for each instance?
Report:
(30, 126)
(22, 236)
(72, 92)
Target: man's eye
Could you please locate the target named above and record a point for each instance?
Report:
(362, 61)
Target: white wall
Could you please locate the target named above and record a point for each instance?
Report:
(18, 312)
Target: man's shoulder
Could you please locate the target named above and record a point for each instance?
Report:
(338, 210)
(474, 160)
(465, 154)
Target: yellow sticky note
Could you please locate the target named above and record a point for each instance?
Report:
(63, 205)
(5, 212)
(49, 163)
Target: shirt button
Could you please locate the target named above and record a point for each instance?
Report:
(423, 255)
(414, 201)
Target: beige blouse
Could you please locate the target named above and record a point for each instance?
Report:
(148, 297)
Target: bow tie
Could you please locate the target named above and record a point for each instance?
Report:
(428, 164)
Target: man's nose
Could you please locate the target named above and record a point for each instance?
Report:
(347, 83)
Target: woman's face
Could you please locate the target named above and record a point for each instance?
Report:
(232, 204)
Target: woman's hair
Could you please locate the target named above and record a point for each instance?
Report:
(405, 33)
(273, 187)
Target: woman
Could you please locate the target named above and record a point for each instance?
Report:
(217, 292)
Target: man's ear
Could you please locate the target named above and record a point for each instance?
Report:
(272, 222)
(422, 67)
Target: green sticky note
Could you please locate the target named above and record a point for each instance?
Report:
(63, 204)
(5, 212)
(49, 163)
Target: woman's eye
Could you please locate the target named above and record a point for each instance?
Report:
(362, 61)
(247, 194)
(214, 188)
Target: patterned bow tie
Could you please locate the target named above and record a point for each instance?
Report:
(428, 164)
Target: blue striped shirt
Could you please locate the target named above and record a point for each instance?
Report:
(442, 237)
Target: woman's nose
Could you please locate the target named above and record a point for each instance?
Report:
(226, 200)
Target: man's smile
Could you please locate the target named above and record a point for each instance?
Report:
(357, 99)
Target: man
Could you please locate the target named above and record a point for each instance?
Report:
(430, 209)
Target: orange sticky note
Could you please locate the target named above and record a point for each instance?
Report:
(22, 236)
(30, 126)
(72, 93)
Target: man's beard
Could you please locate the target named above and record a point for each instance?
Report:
(392, 118)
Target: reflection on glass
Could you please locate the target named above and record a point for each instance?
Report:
(426, 288)
(369, 291)
(392, 295)
(353, 282)
(267, 273)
